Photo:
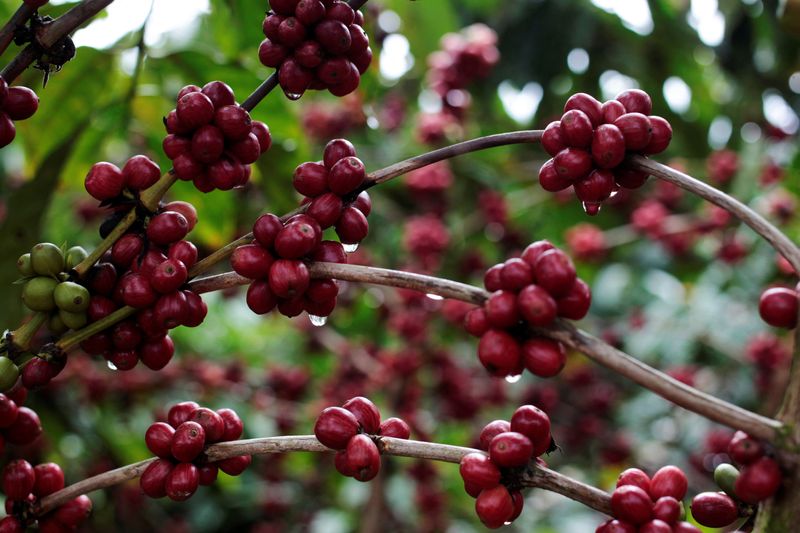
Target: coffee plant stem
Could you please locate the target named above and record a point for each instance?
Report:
(19, 18)
(21, 337)
(72, 340)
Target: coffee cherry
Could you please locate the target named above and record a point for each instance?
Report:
(8, 411)
(49, 479)
(330, 252)
(294, 79)
(476, 323)
(553, 139)
(208, 143)
(233, 466)
(587, 104)
(7, 130)
(168, 276)
(196, 309)
(74, 256)
(493, 280)
(233, 425)
(576, 129)
(491, 430)
(37, 294)
(266, 228)
(778, 307)
(310, 179)
(336, 150)
(123, 359)
(183, 251)
(47, 259)
(251, 261)
(346, 175)
(333, 36)
(74, 512)
(631, 504)
(758, 481)
(20, 103)
(550, 179)
(363, 458)
(219, 93)
(616, 526)
(502, 310)
(175, 145)
(24, 264)
(655, 526)
(394, 427)
(188, 441)
(288, 278)
(18, 479)
(595, 188)
(725, 476)
(9, 524)
(213, 424)
(180, 413)
(510, 449)
(154, 478)
(352, 226)
(636, 129)
(534, 250)
(572, 164)
(714, 509)
(744, 449)
(499, 353)
(194, 110)
(140, 172)
(326, 209)
(128, 248)
(182, 482)
(260, 298)
(137, 292)
(629, 178)
(667, 509)
(478, 470)
(668, 481)
(233, 121)
(25, 429)
(554, 272)
(367, 414)
(543, 357)
(635, 477)
(534, 423)
(297, 239)
(536, 306)
(167, 227)
(335, 426)
(515, 274)
(272, 54)
(309, 11)
(575, 304)
(661, 136)
(494, 506)
(159, 438)
(207, 474)
(170, 310)
(636, 101)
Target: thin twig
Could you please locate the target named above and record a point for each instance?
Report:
(17, 20)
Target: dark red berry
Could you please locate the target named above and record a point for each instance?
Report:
(156, 353)
(394, 427)
(326, 209)
(572, 163)
(188, 441)
(475, 322)
(554, 272)
(502, 310)
(494, 506)
(251, 261)
(154, 478)
(195, 110)
(104, 181)
(491, 430)
(668, 481)
(536, 306)
(367, 414)
(543, 357)
(167, 227)
(575, 304)
(576, 129)
(266, 228)
(288, 278)
(182, 482)
(208, 143)
(19, 479)
(479, 470)
(499, 353)
(233, 466)
(363, 458)
(168, 276)
(636, 101)
(778, 307)
(337, 150)
(297, 239)
(335, 427)
(25, 429)
(346, 175)
(635, 477)
(180, 413)
(661, 135)
(260, 298)
(233, 425)
(714, 509)
(20, 103)
(159, 439)
(352, 226)
(758, 481)
(534, 423)
(636, 129)
(631, 504)
(74, 512)
(510, 449)
(515, 274)
(608, 146)
(744, 449)
(333, 36)
(213, 424)
(140, 172)
(588, 104)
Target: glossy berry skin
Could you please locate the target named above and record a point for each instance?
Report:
(502, 310)
(635, 101)
(260, 298)
(479, 470)
(74, 512)
(19, 479)
(266, 228)
(668, 481)
(297, 239)
(491, 430)
(515, 275)
(104, 181)
(636, 129)
(476, 323)
(758, 481)
(394, 427)
(744, 449)
(667, 509)
(167, 227)
(631, 504)
(352, 226)
(534, 251)
(655, 526)
(346, 175)
(534, 423)
(234, 427)
(635, 477)
(212, 423)
(168, 276)
(554, 272)
(20, 103)
(575, 304)
(251, 261)
(288, 278)
(494, 506)
(553, 140)
(588, 104)
(616, 526)
(188, 442)
(576, 128)
(233, 466)
(310, 179)
(154, 478)
(572, 164)
(335, 427)
(159, 438)
(195, 110)
(499, 353)
(536, 306)
(363, 458)
(714, 509)
(25, 428)
(367, 414)
(182, 482)
(510, 449)
(336, 150)
(778, 307)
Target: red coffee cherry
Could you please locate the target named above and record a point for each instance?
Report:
(180, 413)
(140, 172)
(534, 250)
(261, 131)
(233, 466)
(515, 274)
(668, 481)
(394, 427)
(478, 470)
(8, 410)
(168, 276)
(126, 249)
(9, 524)
(207, 474)
(208, 143)
(491, 430)
(336, 150)
(536, 306)
(655, 526)
(171, 310)
(25, 428)
(260, 298)
(20, 103)
(744, 449)
(661, 136)
(494, 506)
(758, 481)
(266, 228)
(502, 310)
(219, 93)
(346, 175)
(333, 36)
(476, 323)
(154, 478)
(188, 442)
(573, 164)
(194, 110)
(631, 504)
(234, 427)
(588, 104)
(714, 509)
(684, 527)
(363, 458)
(635, 477)
(7, 133)
(550, 179)
(310, 179)
(335, 426)
(499, 353)
(367, 414)
(616, 526)
(595, 188)
(49, 479)
(19, 479)
(636, 129)
(575, 304)
(493, 280)
(309, 11)
(104, 181)
(159, 438)
(553, 140)
(297, 239)
(183, 251)
(667, 509)
(352, 226)
(543, 357)
(326, 209)
(608, 146)
(196, 309)
(778, 307)
(636, 101)
(554, 272)
(246, 151)
(576, 129)
(74, 512)
(288, 278)
(534, 424)
(167, 227)
(629, 178)
(156, 354)
(182, 481)
(213, 424)
(510, 449)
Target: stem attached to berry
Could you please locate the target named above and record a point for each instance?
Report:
(18, 19)
(22, 336)
(537, 476)
(72, 340)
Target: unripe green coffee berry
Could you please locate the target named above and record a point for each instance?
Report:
(72, 320)
(8, 374)
(725, 475)
(24, 265)
(47, 259)
(74, 256)
(56, 325)
(37, 294)
(71, 297)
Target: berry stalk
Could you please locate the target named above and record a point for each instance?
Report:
(72, 340)
(21, 337)
(19, 18)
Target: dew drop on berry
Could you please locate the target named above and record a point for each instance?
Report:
(350, 248)
(318, 321)
(293, 96)
(513, 379)
(111, 366)
(591, 208)
(435, 297)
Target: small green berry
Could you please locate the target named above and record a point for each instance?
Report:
(37, 294)
(47, 259)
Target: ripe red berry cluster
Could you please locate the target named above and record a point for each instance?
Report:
(350, 429)
(315, 44)
(589, 144)
(211, 139)
(24, 485)
(494, 479)
(105, 181)
(758, 478)
(16, 103)
(778, 306)
(147, 272)
(18, 425)
(179, 443)
(532, 290)
(276, 260)
(649, 505)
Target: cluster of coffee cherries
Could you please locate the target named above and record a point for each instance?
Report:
(179, 444)
(589, 144)
(276, 261)
(350, 430)
(315, 44)
(531, 290)
(211, 139)
(146, 270)
(778, 307)
(16, 103)
(649, 505)
(19, 425)
(24, 485)
(494, 479)
(106, 181)
(758, 479)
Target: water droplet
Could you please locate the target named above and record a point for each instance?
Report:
(350, 248)
(434, 296)
(514, 379)
(591, 208)
(318, 321)
(614, 193)
(292, 96)
(111, 366)
(506, 523)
